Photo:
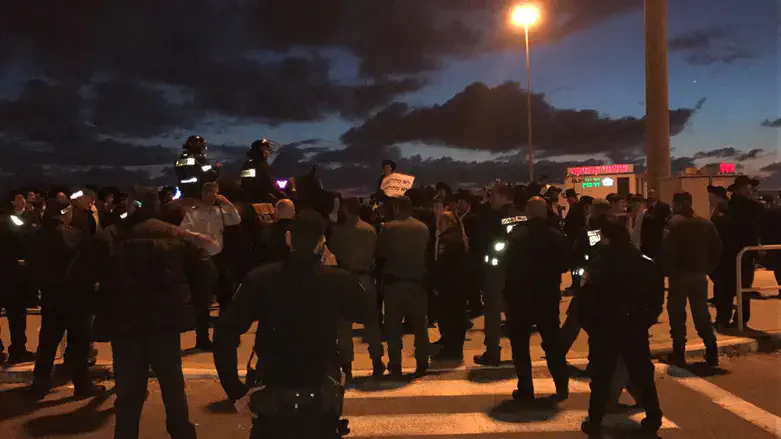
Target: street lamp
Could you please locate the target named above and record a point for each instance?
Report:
(525, 16)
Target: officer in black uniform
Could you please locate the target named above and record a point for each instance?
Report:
(63, 308)
(301, 303)
(617, 319)
(16, 227)
(193, 168)
(494, 228)
(256, 178)
(537, 255)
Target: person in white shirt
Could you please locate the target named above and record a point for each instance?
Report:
(209, 217)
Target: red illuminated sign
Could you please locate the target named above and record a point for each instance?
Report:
(727, 168)
(599, 170)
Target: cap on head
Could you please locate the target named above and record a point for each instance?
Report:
(306, 230)
(683, 199)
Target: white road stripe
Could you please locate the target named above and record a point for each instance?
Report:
(740, 407)
(435, 388)
(462, 424)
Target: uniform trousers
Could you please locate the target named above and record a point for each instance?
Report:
(371, 328)
(405, 299)
(132, 359)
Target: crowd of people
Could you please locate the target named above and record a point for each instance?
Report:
(137, 270)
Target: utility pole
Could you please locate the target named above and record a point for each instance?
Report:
(657, 104)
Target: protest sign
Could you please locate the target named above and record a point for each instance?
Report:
(396, 185)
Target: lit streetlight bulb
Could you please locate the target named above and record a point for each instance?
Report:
(525, 16)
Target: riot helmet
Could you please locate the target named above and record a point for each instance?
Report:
(195, 145)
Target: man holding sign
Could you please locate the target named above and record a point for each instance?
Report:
(396, 185)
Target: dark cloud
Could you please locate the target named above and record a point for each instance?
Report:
(773, 167)
(772, 123)
(105, 152)
(710, 46)
(485, 118)
(729, 152)
(134, 110)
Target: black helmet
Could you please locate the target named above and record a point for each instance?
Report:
(195, 145)
(263, 144)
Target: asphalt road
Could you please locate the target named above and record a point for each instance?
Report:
(741, 399)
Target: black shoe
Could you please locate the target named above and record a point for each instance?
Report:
(204, 345)
(24, 356)
(712, 355)
(421, 370)
(523, 396)
(591, 428)
(562, 390)
(39, 391)
(678, 356)
(439, 342)
(651, 424)
(488, 360)
(89, 391)
(3, 358)
(395, 371)
(469, 324)
(379, 369)
(347, 369)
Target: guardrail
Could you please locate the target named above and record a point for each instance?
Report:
(738, 269)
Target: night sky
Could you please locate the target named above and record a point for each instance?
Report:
(94, 92)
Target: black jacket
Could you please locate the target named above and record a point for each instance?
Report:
(261, 187)
(451, 265)
(621, 289)
(298, 304)
(153, 279)
(52, 250)
(537, 255)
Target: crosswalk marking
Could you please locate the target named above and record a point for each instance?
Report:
(448, 388)
(461, 424)
(740, 407)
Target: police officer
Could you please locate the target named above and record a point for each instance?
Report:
(353, 242)
(154, 279)
(617, 319)
(494, 233)
(63, 308)
(256, 176)
(16, 227)
(193, 169)
(401, 252)
(536, 256)
(301, 303)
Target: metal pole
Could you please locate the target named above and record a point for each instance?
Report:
(529, 104)
(657, 121)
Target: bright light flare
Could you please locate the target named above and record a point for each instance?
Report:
(525, 16)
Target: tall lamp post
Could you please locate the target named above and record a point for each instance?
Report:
(524, 16)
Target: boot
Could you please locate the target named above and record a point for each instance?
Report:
(562, 389)
(347, 369)
(712, 354)
(379, 368)
(204, 344)
(422, 368)
(678, 356)
(651, 424)
(89, 390)
(395, 371)
(592, 428)
(488, 359)
(23, 356)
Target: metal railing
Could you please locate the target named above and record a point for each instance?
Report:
(740, 290)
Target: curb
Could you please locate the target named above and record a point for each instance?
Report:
(733, 346)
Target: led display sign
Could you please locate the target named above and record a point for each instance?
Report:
(601, 170)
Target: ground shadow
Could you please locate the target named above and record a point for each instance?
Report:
(192, 351)
(488, 375)
(222, 407)
(83, 420)
(519, 412)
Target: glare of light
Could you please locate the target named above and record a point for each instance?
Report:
(16, 220)
(587, 257)
(525, 16)
(494, 262)
(581, 271)
(487, 258)
(510, 228)
(190, 180)
(177, 194)
(190, 161)
(248, 173)
(282, 184)
(499, 246)
(78, 194)
(206, 168)
(123, 216)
